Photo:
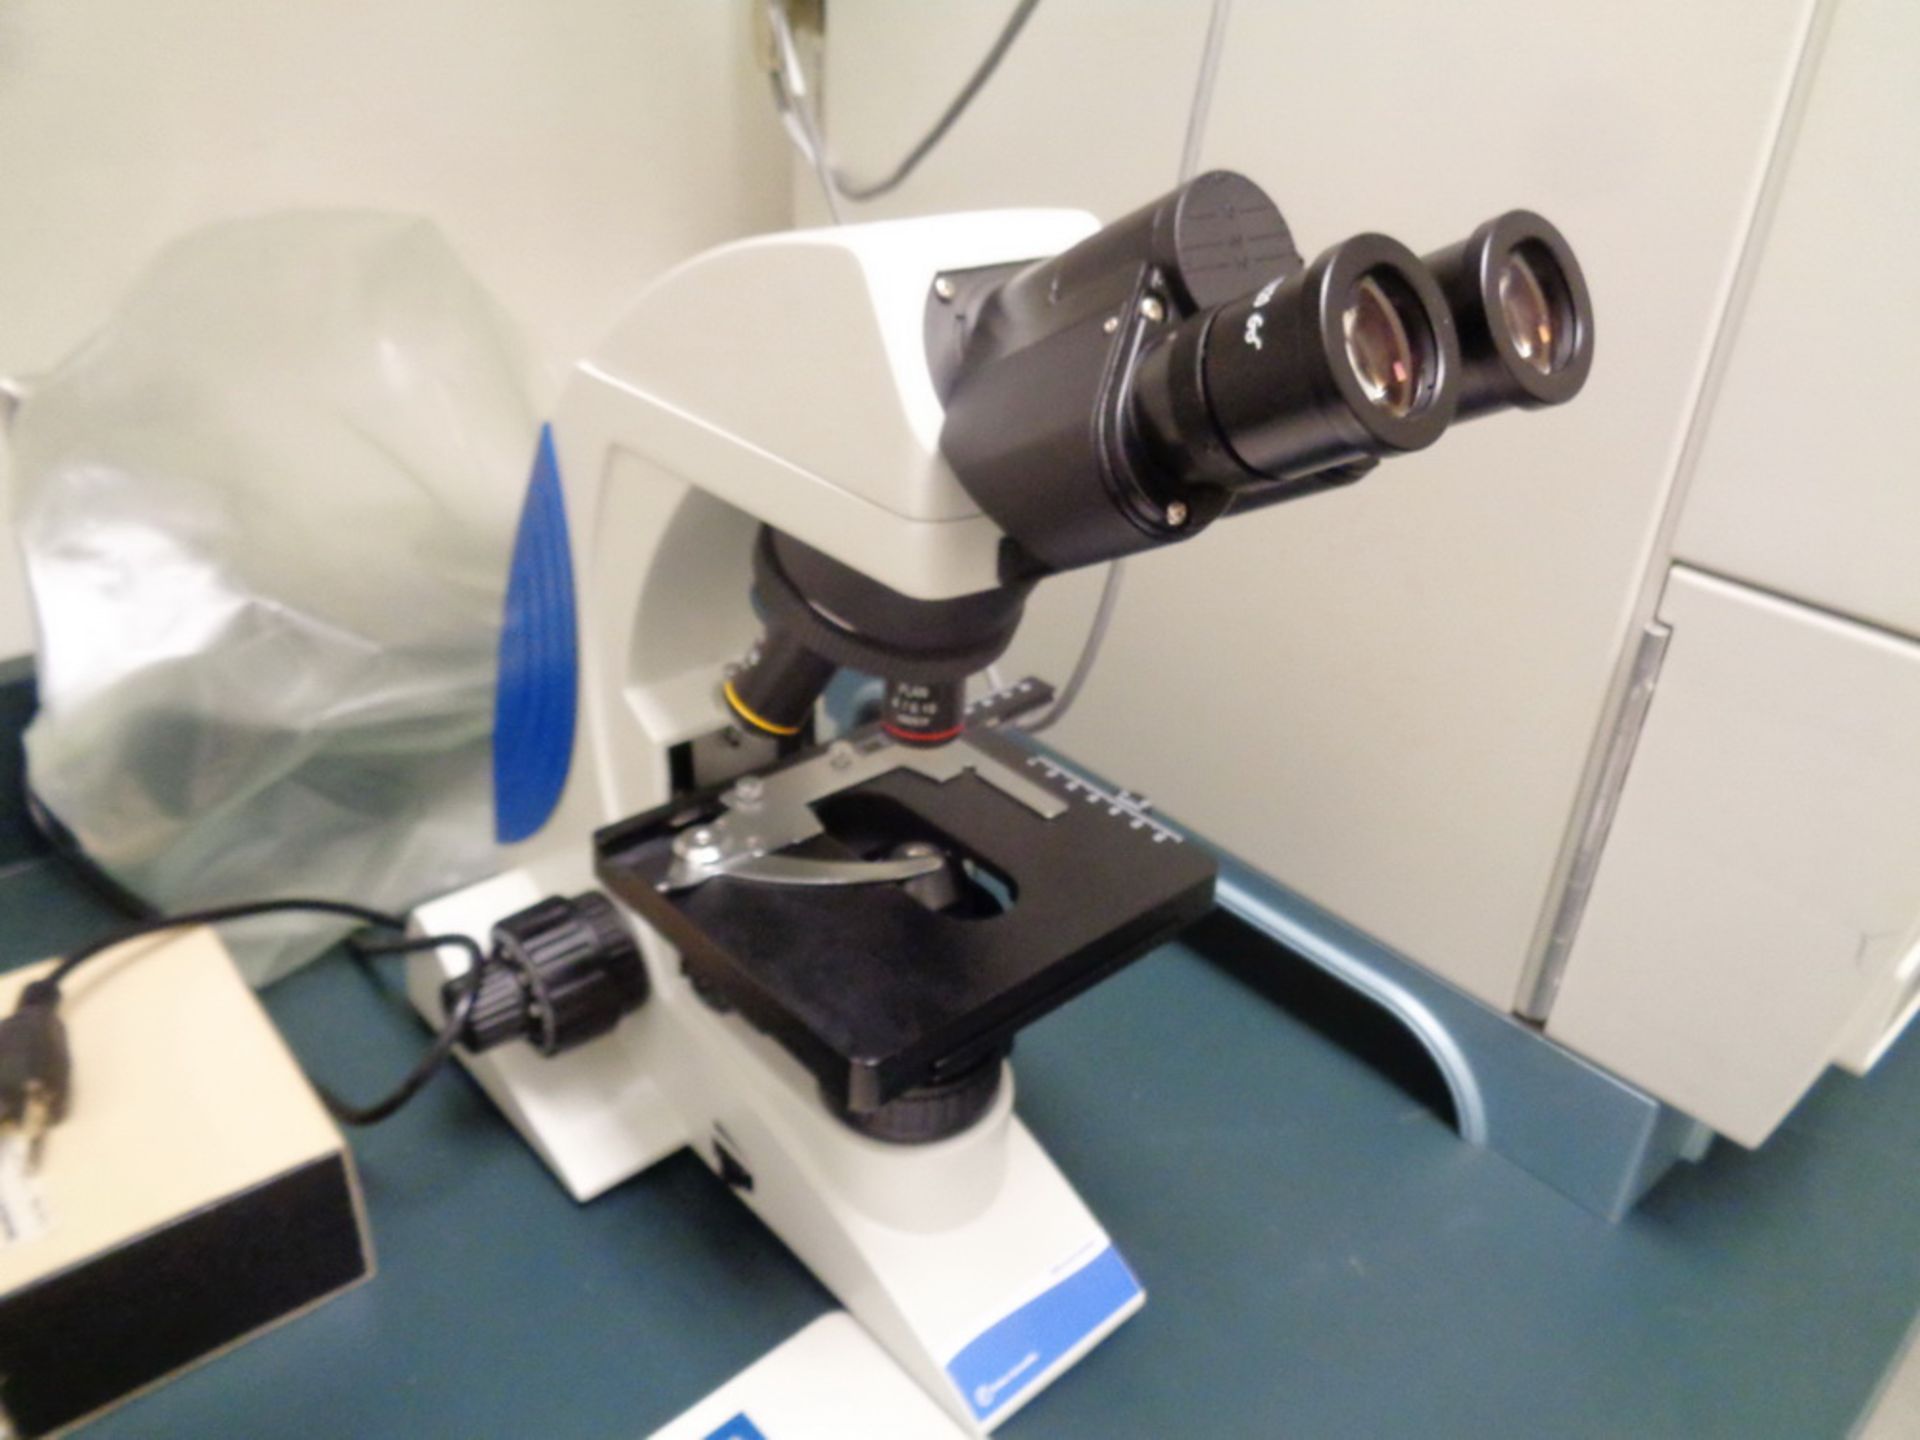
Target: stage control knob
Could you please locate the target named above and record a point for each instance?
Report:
(561, 972)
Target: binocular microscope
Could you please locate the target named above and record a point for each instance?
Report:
(860, 449)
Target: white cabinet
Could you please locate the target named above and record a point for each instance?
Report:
(1808, 480)
(1756, 907)
(1383, 696)
(1391, 698)
(1756, 910)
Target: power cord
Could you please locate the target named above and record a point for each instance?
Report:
(1198, 109)
(36, 1065)
(789, 80)
(1089, 652)
(790, 98)
(796, 112)
(147, 918)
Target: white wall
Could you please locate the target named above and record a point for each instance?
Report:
(1384, 696)
(569, 148)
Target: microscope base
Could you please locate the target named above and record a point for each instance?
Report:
(971, 1260)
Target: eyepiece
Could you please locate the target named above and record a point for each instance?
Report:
(1379, 326)
(1534, 310)
(1351, 359)
(1521, 308)
(1185, 363)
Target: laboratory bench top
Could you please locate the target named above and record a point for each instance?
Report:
(1323, 1256)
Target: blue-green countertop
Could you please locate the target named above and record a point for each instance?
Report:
(1322, 1256)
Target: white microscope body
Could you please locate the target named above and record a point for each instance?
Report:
(897, 430)
(781, 380)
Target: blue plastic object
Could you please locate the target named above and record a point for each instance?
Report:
(537, 704)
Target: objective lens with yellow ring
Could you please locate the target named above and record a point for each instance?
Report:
(774, 690)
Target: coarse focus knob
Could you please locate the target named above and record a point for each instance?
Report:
(562, 972)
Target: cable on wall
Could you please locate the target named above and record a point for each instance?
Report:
(802, 125)
(1198, 111)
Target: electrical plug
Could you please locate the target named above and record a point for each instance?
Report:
(36, 1069)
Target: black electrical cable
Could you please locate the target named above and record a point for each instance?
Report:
(147, 919)
(436, 1054)
(40, 1000)
(219, 915)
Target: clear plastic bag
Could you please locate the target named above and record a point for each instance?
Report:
(265, 517)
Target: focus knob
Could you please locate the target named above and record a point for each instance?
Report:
(562, 972)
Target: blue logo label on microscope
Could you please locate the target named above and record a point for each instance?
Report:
(1009, 1356)
(738, 1428)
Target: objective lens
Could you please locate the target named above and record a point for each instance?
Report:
(1383, 358)
(1532, 324)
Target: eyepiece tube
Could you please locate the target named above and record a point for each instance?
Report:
(1521, 308)
(1350, 360)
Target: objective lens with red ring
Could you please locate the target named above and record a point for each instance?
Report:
(925, 712)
